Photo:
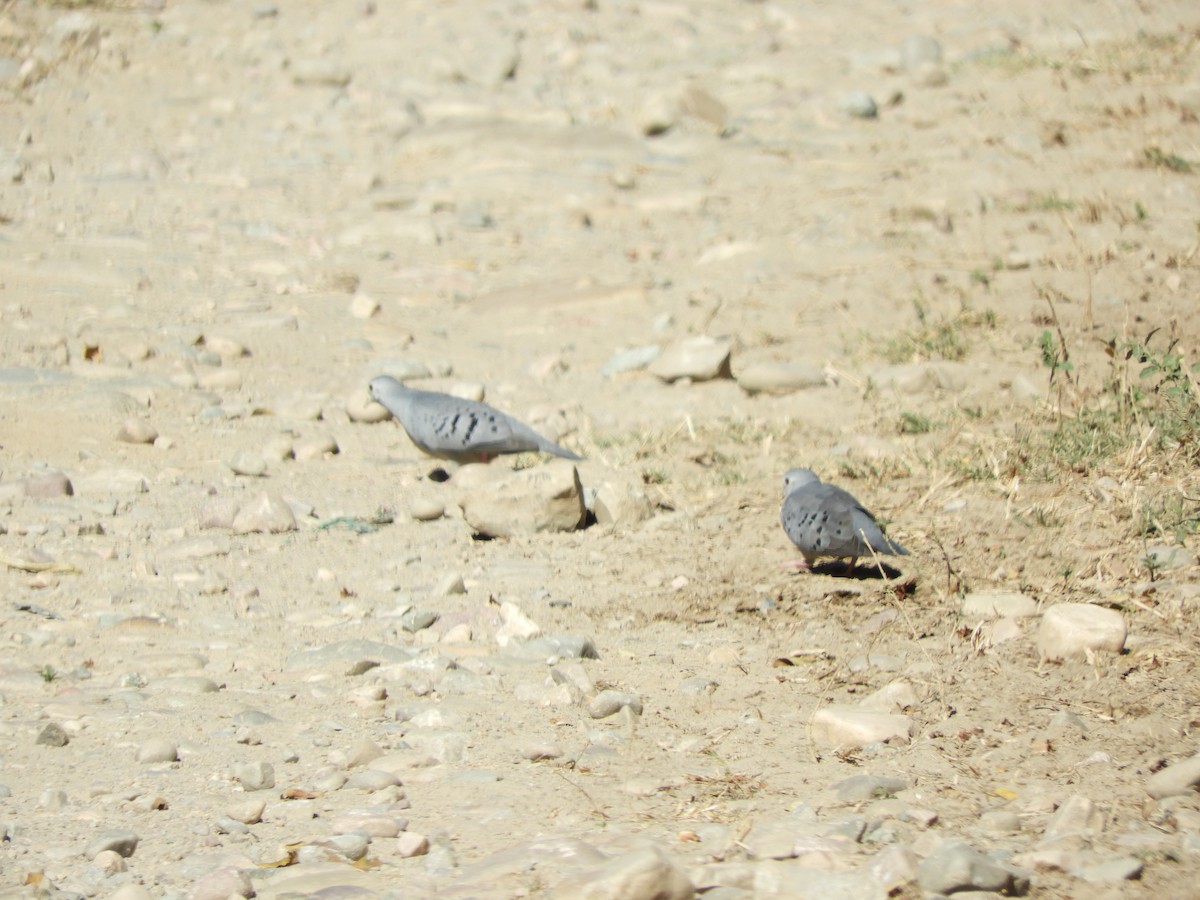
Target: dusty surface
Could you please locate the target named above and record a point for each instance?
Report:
(216, 170)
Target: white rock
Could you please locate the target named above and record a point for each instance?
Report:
(850, 726)
(225, 347)
(363, 306)
(247, 463)
(361, 408)
(267, 513)
(517, 625)
(1072, 629)
(426, 509)
(410, 844)
(110, 862)
(316, 448)
(700, 358)
(256, 776)
(545, 498)
(1176, 779)
(248, 812)
(157, 750)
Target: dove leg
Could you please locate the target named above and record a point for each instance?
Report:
(800, 565)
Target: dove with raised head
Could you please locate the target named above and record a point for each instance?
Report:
(825, 520)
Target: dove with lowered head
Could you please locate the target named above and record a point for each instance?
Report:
(455, 428)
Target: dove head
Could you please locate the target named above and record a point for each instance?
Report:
(798, 478)
(381, 386)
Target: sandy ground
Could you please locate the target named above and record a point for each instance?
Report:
(178, 184)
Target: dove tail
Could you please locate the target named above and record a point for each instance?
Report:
(551, 447)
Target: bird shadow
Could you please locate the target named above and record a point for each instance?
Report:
(862, 572)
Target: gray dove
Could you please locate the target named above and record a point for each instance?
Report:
(455, 428)
(824, 520)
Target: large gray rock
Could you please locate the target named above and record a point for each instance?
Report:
(644, 874)
(546, 498)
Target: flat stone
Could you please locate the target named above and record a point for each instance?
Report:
(955, 866)
(630, 360)
(849, 726)
(344, 654)
(778, 377)
(1072, 629)
(699, 358)
(122, 843)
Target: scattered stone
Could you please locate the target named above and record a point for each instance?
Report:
(1117, 869)
(53, 735)
(47, 485)
(658, 115)
(859, 105)
(621, 501)
(268, 513)
(426, 509)
(1072, 629)
(123, 843)
(645, 874)
(955, 866)
(696, 101)
(248, 463)
(779, 377)
(611, 702)
(221, 884)
(157, 750)
(529, 501)
(417, 620)
(361, 408)
(137, 431)
(410, 844)
(363, 307)
(630, 360)
(998, 604)
(698, 358)
(449, 585)
(248, 812)
(316, 448)
(1176, 779)
(110, 862)
(1000, 821)
(845, 726)
(256, 776)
